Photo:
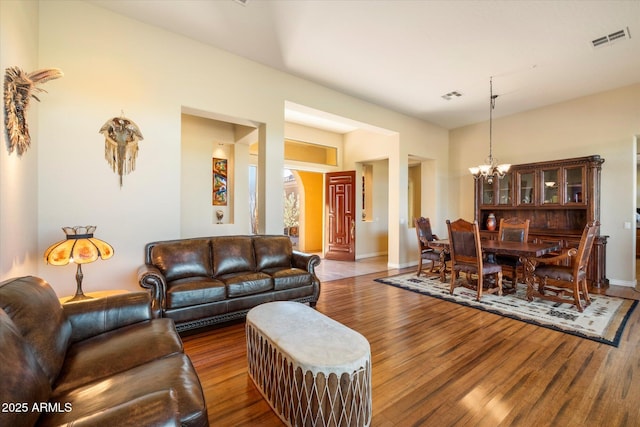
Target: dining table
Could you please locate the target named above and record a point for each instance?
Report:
(527, 252)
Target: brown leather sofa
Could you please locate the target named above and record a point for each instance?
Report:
(203, 281)
(102, 361)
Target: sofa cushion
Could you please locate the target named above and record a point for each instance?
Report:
(232, 254)
(288, 278)
(172, 372)
(241, 284)
(39, 318)
(184, 258)
(272, 251)
(23, 382)
(117, 351)
(194, 291)
(158, 409)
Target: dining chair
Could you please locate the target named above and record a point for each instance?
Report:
(435, 256)
(512, 230)
(466, 257)
(566, 283)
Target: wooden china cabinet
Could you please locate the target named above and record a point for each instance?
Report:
(559, 197)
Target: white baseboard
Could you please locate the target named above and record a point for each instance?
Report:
(625, 283)
(371, 255)
(403, 265)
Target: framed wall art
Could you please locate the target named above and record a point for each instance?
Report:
(219, 197)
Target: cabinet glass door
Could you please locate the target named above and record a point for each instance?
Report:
(550, 186)
(574, 183)
(526, 193)
(504, 190)
(487, 193)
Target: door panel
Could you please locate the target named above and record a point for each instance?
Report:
(340, 241)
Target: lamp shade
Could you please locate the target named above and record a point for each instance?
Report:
(79, 247)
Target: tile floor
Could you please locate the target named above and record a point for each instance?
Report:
(332, 270)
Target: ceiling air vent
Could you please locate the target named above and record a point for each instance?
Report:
(611, 38)
(449, 96)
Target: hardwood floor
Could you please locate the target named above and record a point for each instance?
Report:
(436, 363)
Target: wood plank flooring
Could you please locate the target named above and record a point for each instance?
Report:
(436, 363)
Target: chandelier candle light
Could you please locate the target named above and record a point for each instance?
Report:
(490, 169)
(79, 247)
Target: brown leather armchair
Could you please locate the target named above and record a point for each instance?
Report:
(103, 361)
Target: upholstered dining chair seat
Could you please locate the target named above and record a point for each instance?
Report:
(472, 269)
(559, 272)
(431, 255)
(509, 261)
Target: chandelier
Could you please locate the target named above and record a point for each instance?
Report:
(490, 169)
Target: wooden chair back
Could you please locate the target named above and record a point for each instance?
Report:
(581, 260)
(464, 243)
(423, 231)
(513, 230)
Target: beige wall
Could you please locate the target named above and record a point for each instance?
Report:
(150, 76)
(19, 175)
(604, 124)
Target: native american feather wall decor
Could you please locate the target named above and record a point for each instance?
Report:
(121, 137)
(19, 88)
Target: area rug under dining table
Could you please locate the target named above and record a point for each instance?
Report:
(602, 321)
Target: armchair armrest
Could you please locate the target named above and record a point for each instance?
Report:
(150, 277)
(305, 261)
(94, 316)
(557, 259)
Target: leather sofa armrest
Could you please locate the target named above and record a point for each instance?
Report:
(150, 277)
(92, 317)
(158, 409)
(305, 261)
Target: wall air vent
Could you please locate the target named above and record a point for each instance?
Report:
(611, 38)
(449, 96)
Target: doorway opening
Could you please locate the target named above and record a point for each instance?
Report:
(303, 201)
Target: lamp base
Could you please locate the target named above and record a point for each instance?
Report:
(79, 296)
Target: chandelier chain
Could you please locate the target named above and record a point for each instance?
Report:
(491, 169)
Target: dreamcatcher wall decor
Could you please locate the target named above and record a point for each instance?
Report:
(121, 136)
(19, 88)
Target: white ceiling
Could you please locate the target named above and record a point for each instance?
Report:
(405, 55)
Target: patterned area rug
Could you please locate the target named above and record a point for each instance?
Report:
(602, 321)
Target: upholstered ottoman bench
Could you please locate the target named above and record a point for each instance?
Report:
(311, 369)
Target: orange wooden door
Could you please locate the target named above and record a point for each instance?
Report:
(340, 212)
